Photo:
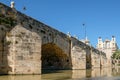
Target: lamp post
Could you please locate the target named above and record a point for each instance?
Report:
(85, 30)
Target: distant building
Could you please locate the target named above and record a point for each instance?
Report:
(107, 46)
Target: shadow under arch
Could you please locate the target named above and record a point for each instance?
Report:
(53, 58)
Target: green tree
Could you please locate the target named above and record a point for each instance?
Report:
(116, 55)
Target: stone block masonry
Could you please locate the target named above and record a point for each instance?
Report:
(28, 46)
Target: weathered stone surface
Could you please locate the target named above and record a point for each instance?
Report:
(28, 46)
(78, 54)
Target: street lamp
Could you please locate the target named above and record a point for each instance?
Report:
(85, 30)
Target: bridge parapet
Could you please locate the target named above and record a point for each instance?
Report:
(27, 46)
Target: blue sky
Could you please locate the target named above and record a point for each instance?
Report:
(101, 17)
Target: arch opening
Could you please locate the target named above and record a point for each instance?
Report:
(53, 57)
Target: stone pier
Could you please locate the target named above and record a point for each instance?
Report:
(28, 46)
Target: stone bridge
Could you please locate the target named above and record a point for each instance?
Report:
(28, 46)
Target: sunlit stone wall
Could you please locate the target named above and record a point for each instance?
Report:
(27, 46)
(21, 44)
(78, 54)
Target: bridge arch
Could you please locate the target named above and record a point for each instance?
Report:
(53, 57)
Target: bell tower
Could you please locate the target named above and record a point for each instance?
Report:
(100, 43)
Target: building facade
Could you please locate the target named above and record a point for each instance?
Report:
(107, 46)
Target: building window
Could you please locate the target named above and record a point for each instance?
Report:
(113, 44)
(99, 45)
(108, 45)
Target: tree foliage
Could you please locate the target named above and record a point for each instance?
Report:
(116, 55)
